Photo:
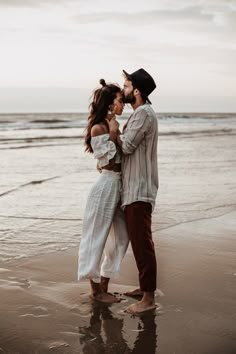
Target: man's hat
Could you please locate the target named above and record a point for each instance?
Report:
(142, 81)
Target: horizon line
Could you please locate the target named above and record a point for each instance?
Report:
(127, 113)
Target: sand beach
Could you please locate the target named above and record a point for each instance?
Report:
(44, 182)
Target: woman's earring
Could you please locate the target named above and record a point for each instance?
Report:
(110, 109)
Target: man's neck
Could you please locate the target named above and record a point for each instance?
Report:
(137, 104)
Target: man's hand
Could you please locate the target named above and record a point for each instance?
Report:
(99, 168)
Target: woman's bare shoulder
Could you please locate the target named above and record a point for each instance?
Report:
(99, 129)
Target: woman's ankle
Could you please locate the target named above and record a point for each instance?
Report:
(95, 288)
(104, 284)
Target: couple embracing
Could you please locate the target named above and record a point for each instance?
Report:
(120, 204)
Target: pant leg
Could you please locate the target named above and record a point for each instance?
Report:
(99, 213)
(138, 220)
(116, 245)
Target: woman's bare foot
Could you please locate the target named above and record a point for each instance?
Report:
(104, 297)
(104, 284)
(140, 307)
(98, 294)
(134, 293)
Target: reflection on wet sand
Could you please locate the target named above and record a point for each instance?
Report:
(105, 333)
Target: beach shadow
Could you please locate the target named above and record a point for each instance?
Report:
(104, 334)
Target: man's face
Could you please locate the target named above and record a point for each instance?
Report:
(128, 92)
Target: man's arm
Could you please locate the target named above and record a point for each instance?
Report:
(135, 132)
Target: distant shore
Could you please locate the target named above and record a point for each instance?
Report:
(73, 115)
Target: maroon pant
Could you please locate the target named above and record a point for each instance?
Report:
(138, 220)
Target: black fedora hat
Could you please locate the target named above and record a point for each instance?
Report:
(143, 81)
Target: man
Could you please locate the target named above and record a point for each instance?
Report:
(140, 180)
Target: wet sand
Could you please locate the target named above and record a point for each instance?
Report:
(43, 309)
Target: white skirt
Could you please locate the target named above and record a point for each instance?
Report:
(104, 229)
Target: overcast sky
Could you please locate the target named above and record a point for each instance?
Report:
(61, 48)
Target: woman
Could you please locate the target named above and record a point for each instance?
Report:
(103, 215)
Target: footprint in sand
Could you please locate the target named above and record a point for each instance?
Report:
(34, 311)
(58, 344)
(15, 282)
(83, 310)
(8, 284)
(3, 270)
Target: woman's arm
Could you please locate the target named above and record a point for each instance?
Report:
(104, 149)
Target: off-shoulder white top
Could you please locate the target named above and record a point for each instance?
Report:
(104, 149)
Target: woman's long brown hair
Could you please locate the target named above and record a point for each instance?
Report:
(102, 99)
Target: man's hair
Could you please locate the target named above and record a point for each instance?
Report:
(144, 98)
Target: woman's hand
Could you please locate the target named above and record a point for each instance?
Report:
(113, 125)
(113, 129)
(112, 115)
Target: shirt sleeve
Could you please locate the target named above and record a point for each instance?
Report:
(104, 149)
(135, 132)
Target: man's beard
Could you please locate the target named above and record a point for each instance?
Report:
(130, 98)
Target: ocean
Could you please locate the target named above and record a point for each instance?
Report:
(47, 121)
(46, 176)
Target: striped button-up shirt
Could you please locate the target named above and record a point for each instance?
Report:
(139, 160)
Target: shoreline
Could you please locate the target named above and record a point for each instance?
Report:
(44, 308)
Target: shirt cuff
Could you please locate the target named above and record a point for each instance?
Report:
(127, 146)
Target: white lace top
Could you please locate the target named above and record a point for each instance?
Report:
(104, 150)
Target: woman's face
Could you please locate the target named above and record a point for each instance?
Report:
(118, 104)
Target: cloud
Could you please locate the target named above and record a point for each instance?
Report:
(218, 14)
(187, 41)
(29, 3)
(145, 17)
(192, 23)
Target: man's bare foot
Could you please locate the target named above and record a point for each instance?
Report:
(140, 307)
(104, 297)
(134, 293)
